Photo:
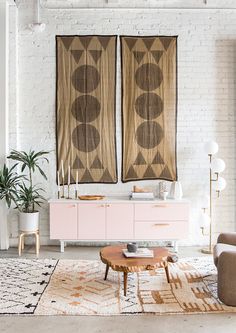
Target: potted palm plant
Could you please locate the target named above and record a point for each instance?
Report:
(20, 190)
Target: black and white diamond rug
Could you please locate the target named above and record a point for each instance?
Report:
(22, 283)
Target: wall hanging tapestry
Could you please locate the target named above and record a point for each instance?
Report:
(77, 287)
(86, 82)
(149, 107)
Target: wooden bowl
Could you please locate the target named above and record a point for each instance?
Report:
(91, 197)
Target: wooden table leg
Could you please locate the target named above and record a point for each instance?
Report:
(125, 282)
(107, 269)
(20, 244)
(167, 272)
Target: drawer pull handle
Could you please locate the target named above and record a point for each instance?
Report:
(161, 206)
(161, 224)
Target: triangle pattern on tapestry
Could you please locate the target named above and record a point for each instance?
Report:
(104, 41)
(77, 54)
(96, 54)
(97, 164)
(140, 159)
(166, 173)
(131, 174)
(157, 55)
(158, 159)
(139, 56)
(85, 40)
(67, 41)
(149, 173)
(130, 42)
(166, 41)
(77, 164)
(87, 178)
(106, 177)
(148, 42)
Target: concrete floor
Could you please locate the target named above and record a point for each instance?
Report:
(207, 323)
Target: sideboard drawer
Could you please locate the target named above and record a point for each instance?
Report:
(161, 212)
(161, 230)
(92, 221)
(63, 221)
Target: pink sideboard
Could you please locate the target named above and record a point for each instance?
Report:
(118, 220)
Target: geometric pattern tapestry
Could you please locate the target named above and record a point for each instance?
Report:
(149, 107)
(86, 83)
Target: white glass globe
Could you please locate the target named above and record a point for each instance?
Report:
(211, 148)
(217, 165)
(205, 201)
(220, 184)
(204, 220)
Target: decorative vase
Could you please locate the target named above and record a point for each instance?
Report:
(132, 247)
(176, 190)
(164, 195)
(28, 221)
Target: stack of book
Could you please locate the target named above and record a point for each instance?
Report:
(142, 196)
(141, 253)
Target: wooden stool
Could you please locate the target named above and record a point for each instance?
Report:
(21, 240)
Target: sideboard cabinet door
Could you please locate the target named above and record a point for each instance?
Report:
(120, 221)
(63, 221)
(92, 221)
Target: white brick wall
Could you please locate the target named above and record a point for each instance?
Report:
(206, 90)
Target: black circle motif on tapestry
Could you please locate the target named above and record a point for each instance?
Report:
(149, 106)
(85, 137)
(85, 108)
(149, 134)
(148, 77)
(85, 78)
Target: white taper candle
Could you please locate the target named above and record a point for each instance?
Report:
(62, 169)
(58, 181)
(77, 179)
(68, 175)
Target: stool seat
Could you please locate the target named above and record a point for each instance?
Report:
(22, 243)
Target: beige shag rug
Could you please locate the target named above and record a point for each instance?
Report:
(77, 287)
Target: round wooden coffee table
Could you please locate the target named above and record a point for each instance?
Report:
(112, 256)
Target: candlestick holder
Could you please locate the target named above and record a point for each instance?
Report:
(68, 191)
(63, 188)
(76, 194)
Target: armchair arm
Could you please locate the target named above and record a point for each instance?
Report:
(227, 238)
(226, 277)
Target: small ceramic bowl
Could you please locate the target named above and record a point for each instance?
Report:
(132, 247)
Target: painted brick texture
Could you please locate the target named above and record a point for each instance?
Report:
(206, 95)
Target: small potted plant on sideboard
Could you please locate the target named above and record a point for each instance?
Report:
(20, 189)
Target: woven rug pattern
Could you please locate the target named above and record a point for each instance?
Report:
(77, 287)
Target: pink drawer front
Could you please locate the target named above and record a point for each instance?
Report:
(92, 221)
(63, 221)
(120, 221)
(161, 230)
(161, 212)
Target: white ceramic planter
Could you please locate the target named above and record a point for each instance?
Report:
(28, 221)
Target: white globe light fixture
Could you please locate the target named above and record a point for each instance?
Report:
(211, 147)
(220, 184)
(217, 165)
(37, 26)
(204, 220)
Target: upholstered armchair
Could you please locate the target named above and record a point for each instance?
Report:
(225, 261)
